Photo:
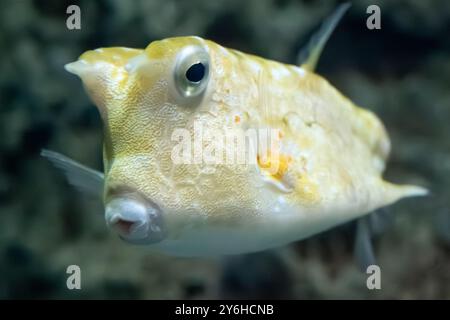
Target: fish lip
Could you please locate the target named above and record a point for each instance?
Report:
(135, 218)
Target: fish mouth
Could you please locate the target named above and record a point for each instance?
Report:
(135, 218)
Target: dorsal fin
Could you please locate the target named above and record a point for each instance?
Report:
(310, 54)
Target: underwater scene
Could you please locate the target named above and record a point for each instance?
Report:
(227, 149)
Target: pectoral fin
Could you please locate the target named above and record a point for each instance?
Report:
(83, 178)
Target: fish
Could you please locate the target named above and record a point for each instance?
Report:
(322, 167)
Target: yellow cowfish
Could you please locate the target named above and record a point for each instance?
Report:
(323, 168)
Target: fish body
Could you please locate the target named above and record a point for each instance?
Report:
(323, 168)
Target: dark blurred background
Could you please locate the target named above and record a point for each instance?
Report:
(401, 72)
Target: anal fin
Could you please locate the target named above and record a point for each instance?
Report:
(366, 227)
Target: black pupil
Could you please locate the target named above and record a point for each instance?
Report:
(196, 72)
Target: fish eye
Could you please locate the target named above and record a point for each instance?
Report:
(196, 72)
(192, 71)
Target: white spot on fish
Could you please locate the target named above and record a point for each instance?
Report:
(300, 71)
(279, 72)
(224, 51)
(199, 39)
(134, 63)
(120, 76)
(256, 67)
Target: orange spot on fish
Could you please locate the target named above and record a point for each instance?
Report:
(276, 165)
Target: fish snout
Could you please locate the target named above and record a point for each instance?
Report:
(136, 220)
